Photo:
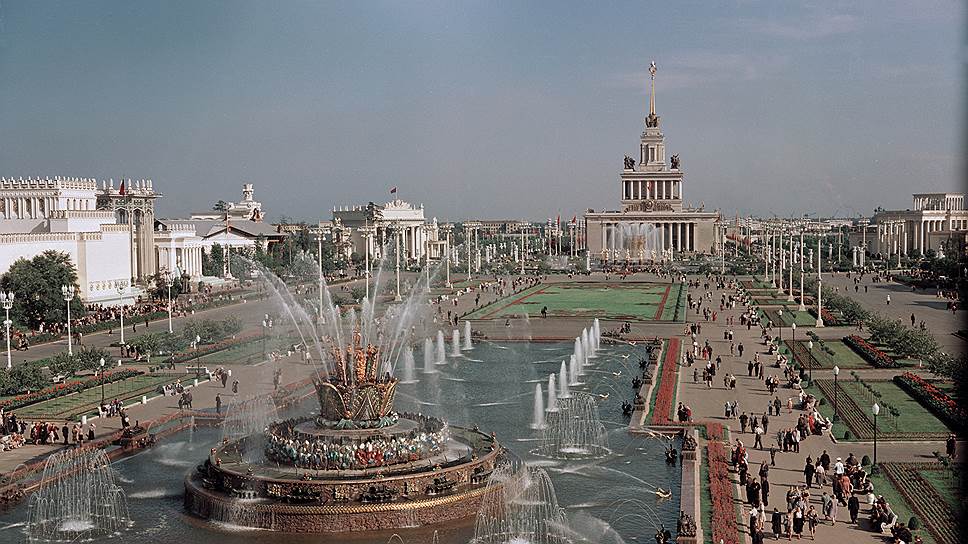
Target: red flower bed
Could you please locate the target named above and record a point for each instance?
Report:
(667, 385)
(934, 399)
(721, 492)
(869, 352)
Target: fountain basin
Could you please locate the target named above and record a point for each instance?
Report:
(432, 490)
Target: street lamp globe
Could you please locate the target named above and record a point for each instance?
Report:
(876, 409)
(810, 344)
(836, 370)
(101, 362)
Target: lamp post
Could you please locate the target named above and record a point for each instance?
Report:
(397, 297)
(101, 363)
(810, 350)
(836, 373)
(779, 325)
(793, 341)
(876, 409)
(319, 270)
(7, 300)
(198, 367)
(819, 287)
(68, 291)
(266, 325)
(803, 307)
(169, 282)
(790, 255)
(469, 238)
(121, 288)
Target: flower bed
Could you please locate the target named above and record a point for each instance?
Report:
(721, 492)
(871, 353)
(829, 319)
(66, 388)
(934, 399)
(668, 382)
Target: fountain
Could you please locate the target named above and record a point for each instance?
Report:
(552, 395)
(77, 499)
(358, 465)
(576, 431)
(441, 350)
(468, 345)
(580, 357)
(587, 344)
(538, 419)
(408, 366)
(563, 392)
(248, 417)
(573, 371)
(428, 357)
(597, 328)
(455, 343)
(519, 507)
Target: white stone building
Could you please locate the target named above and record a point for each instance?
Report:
(370, 228)
(179, 243)
(61, 214)
(937, 222)
(653, 223)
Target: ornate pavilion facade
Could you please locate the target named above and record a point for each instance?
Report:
(653, 223)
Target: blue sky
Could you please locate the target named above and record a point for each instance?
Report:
(487, 109)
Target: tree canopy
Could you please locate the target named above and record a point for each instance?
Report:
(36, 283)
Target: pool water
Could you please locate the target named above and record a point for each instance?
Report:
(610, 499)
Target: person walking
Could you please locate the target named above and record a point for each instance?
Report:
(218, 404)
(853, 507)
(235, 387)
(812, 520)
(827, 506)
(90, 431)
(776, 521)
(808, 471)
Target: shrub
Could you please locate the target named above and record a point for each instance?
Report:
(865, 461)
(914, 524)
(847, 435)
(822, 401)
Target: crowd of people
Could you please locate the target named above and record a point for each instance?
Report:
(16, 433)
(285, 445)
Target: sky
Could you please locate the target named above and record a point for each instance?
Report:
(488, 109)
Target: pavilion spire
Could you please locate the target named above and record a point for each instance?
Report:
(652, 70)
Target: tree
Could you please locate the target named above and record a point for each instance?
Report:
(160, 290)
(213, 262)
(37, 284)
(220, 206)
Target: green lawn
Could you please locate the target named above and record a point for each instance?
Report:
(87, 401)
(883, 486)
(790, 316)
(946, 484)
(844, 357)
(915, 421)
(639, 301)
(247, 353)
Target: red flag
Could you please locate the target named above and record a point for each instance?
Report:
(574, 219)
(393, 190)
(121, 189)
(559, 220)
